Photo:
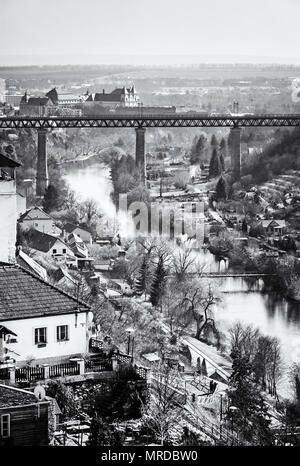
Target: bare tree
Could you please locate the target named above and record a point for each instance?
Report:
(164, 411)
(88, 210)
(262, 352)
(244, 339)
(182, 261)
(198, 304)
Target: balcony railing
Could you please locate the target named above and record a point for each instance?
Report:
(61, 370)
(30, 373)
(98, 365)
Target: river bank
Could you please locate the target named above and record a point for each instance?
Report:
(248, 301)
(100, 157)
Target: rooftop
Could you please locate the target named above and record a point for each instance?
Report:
(70, 227)
(42, 241)
(36, 101)
(10, 396)
(24, 295)
(35, 213)
(107, 97)
(31, 265)
(6, 162)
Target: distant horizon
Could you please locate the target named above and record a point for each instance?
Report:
(145, 60)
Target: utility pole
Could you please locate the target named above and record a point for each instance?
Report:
(160, 185)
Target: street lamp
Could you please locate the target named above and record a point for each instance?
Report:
(185, 392)
(233, 410)
(221, 404)
(130, 331)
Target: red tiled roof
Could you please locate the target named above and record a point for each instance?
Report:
(24, 295)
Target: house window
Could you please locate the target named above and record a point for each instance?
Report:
(62, 333)
(40, 335)
(54, 251)
(64, 251)
(5, 426)
(36, 224)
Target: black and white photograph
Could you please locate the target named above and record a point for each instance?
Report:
(149, 227)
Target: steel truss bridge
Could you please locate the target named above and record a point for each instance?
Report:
(140, 122)
(176, 120)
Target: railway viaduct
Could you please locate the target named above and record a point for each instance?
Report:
(140, 123)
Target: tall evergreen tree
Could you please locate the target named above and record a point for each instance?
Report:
(222, 162)
(223, 145)
(214, 141)
(50, 201)
(251, 419)
(158, 283)
(221, 189)
(102, 433)
(215, 168)
(141, 280)
(198, 149)
(244, 226)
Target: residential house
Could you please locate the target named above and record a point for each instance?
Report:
(52, 246)
(84, 234)
(24, 420)
(273, 227)
(103, 265)
(38, 219)
(39, 322)
(62, 278)
(21, 204)
(80, 250)
(8, 208)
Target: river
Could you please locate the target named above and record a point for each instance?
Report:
(93, 182)
(241, 300)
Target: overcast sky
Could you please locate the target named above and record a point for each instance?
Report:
(148, 31)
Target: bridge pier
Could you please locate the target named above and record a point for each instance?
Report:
(140, 152)
(42, 179)
(235, 136)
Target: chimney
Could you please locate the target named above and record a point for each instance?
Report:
(103, 91)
